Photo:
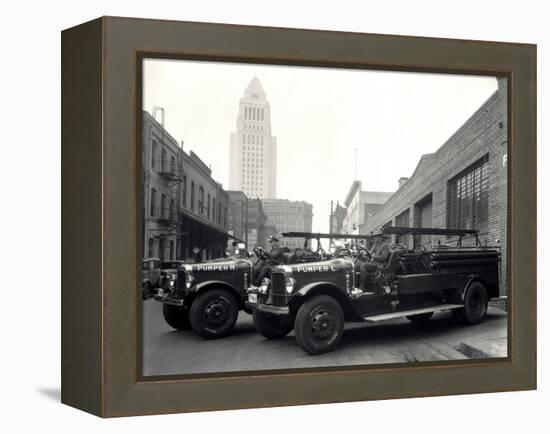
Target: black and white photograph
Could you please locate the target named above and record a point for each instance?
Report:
(304, 217)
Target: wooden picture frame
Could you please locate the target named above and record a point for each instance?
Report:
(101, 220)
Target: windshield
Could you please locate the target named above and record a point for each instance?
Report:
(170, 264)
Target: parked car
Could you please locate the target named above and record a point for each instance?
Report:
(207, 297)
(317, 298)
(150, 276)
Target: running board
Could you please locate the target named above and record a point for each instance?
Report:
(402, 313)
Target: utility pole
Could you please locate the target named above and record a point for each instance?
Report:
(246, 223)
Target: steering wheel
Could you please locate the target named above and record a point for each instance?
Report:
(363, 253)
(419, 248)
(260, 252)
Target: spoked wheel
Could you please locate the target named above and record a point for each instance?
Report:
(319, 324)
(213, 313)
(475, 305)
(272, 326)
(421, 318)
(176, 316)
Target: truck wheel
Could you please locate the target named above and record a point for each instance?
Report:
(319, 324)
(421, 318)
(475, 305)
(272, 326)
(145, 290)
(176, 316)
(213, 313)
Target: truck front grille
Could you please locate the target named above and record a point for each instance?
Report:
(278, 289)
(180, 284)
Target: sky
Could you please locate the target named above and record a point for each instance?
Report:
(332, 125)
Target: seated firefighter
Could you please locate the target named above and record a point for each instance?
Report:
(373, 261)
(273, 258)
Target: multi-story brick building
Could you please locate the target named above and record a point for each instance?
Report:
(461, 185)
(289, 216)
(185, 211)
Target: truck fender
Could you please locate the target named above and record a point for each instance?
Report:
(471, 278)
(326, 288)
(204, 286)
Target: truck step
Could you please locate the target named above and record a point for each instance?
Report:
(402, 313)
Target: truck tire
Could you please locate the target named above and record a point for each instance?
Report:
(176, 316)
(475, 305)
(213, 313)
(272, 326)
(319, 324)
(421, 318)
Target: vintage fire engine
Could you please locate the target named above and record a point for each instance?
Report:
(316, 299)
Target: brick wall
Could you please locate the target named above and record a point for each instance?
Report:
(484, 133)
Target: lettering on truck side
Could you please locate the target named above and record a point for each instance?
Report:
(314, 268)
(214, 268)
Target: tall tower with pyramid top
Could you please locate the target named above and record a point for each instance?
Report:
(253, 150)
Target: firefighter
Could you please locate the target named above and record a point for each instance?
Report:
(379, 256)
(271, 259)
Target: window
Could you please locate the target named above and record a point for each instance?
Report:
(172, 208)
(154, 153)
(161, 249)
(184, 191)
(150, 248)
(403, 220)
(201, 199)
(153, 202)
(173, 165)
(172, 250)
(224, 216)
(163, 212)
(192, 196)
(208, 207)
(162, 160)
(467, 198)
(214, 209)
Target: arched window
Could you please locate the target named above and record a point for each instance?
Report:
(153, 202)
(208, 207)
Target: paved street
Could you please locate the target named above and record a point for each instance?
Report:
(167, 351)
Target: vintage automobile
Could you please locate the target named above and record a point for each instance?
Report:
(207, 297)
(315, 299)
(151, 276)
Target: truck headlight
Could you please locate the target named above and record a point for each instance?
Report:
(264, 285)
(189, 279)
(289, 284)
